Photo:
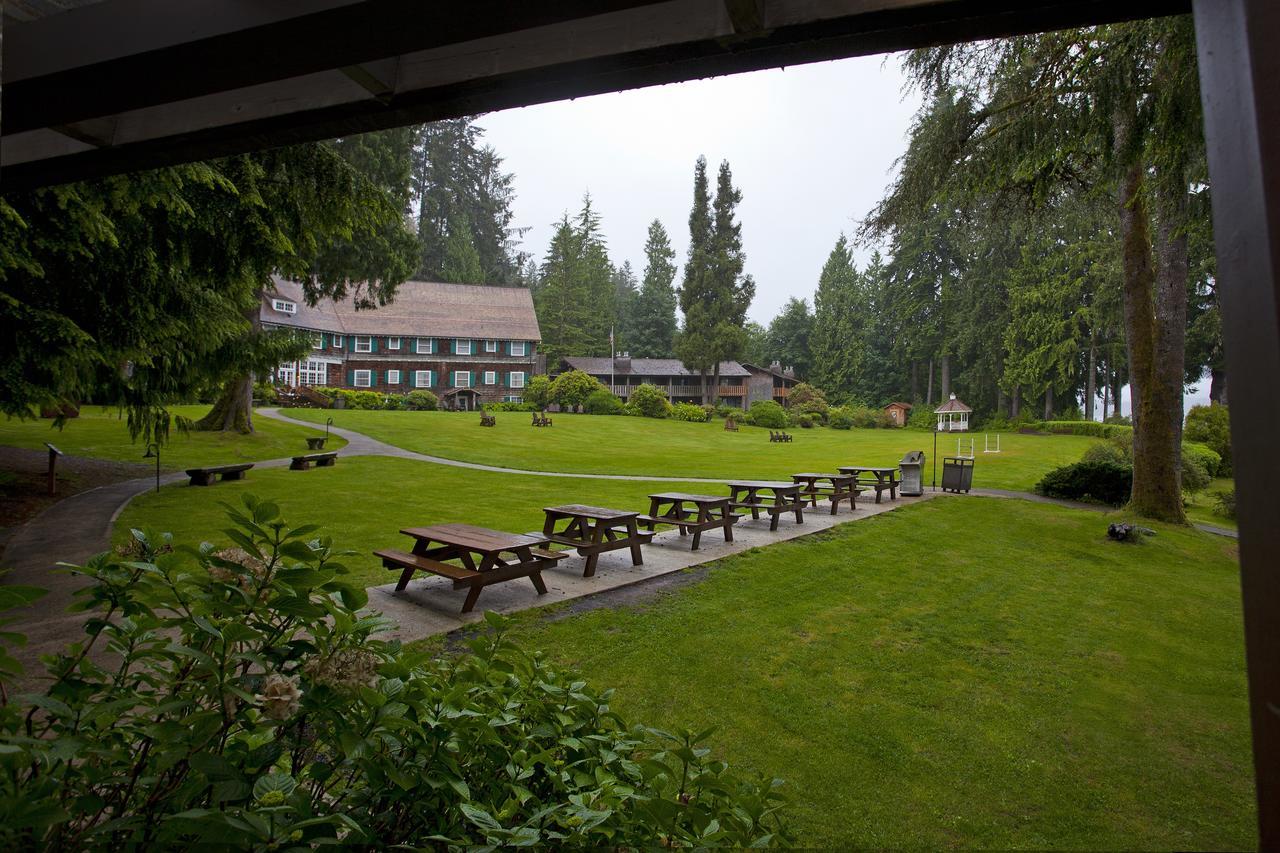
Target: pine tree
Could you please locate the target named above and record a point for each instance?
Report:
(575, 289)
(624, 306)
(836, 343)
(789, 337)
(461, 260)
(654, 321)
(696, 345)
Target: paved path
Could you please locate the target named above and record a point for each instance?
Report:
(75, 529)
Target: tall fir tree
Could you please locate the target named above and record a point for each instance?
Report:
(654, 319)
(696, 344)
(624, 306)
(789, 337)
(837, 340)
(461, 260)
(574, 295)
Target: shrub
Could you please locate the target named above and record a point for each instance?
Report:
(767, 413)
(511, 407)
(1105, 451)
(1195, 478)
(265, 392)
(840, 417)
(805, 398)
(252, 706)
(691, 412)
(571, 389)
(922, 417)
(1119, 420)
(865, 417)
(1084, 428)
(806, 420)
(724, 410)
(1107, 482)
(537, 391)
(650, 401)
(393, 402)
(1211, 426)
(1225, 503)
(421, 400)
(602, 402)
(1206, 457)
(367, 400)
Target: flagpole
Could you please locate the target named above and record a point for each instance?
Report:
(613, 355)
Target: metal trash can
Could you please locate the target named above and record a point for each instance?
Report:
(957, 474)
(912, 467)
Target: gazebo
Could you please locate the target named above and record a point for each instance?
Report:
(953, 416)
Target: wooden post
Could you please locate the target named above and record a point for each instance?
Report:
(54, 453)
(1239, 66)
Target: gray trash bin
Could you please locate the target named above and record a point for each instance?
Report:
(957, 474)
(912, 467)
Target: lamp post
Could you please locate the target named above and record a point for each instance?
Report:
(935, 457)
(153, 450)
(328, 422)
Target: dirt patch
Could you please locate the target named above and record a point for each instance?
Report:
(24, 491)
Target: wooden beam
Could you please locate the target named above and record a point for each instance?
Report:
(1239, 66)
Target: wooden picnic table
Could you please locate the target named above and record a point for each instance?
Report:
(594, 530)
(486, 557)
(843, 487)
(780, 498)
(872, 477)
(687, 513)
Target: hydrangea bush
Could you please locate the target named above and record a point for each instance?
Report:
(239, 698)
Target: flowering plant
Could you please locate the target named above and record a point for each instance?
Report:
(239, 697)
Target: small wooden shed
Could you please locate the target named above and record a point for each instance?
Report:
(953, 416)
(898, 413)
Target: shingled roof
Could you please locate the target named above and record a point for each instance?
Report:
(645, 366)
(952, 405)
(421, 308)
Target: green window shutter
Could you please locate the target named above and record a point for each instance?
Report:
(453, 346)
(471, 379)
(373, 344)
(351, 379)
(431, 378)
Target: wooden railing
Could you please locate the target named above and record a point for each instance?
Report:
(684, 390)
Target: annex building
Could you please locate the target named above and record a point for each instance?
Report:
(623, 373)
(468, 344)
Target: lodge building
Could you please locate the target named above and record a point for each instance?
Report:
(622, 374)
(468, 344)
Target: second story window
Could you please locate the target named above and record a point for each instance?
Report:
(519, 348)
(423, 346)
(462, 347)
(490, 346)
(317, 341)
(364, 343)
(393, 343)
(337, 341)
(284, 306)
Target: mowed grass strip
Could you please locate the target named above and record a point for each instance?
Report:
(966, 672)
(104, 434)
(649, 447)
(363, 502)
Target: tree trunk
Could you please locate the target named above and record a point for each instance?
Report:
(928, 394)
(1091, 383)
(703, 374)
(1117, 385)
(915, 381)
(999, 400)
(1048, 403)
(1217, 387)
(1106, 398)
(1015, 402)
(945, 370)
(233, 410)
(715, 385)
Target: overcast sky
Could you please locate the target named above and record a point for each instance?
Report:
(811, 148)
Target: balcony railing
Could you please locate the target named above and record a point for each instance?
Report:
(684, 390)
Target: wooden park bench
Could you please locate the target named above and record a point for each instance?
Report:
(321, 460)
(782, 498)
(779, 436)
(206, 476)
(594, 530)
(690, 514)
(488, 420)
(833, 487)
(541, 420)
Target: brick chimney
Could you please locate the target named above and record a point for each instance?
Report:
(622, 361)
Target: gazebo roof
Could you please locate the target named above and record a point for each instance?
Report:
(952, 405)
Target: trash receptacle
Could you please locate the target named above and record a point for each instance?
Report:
(912, 467)
(957, 474)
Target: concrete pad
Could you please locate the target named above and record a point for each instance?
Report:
(429, 606)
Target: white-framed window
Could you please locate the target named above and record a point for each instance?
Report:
(422, 379)
(517, 379)
(364, 343)
(513, 398)
(362, 378)
(519, 348)
(462, 379)
(284, 306)
(490, 346)
(423, 346)
(285, 374)
(462, 347)
(393, 377)
(393, 343)
(313, 372)
(491, 377)
(337, 341)
(317, 341)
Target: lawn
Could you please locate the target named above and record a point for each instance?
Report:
(647, 447)
(1202, 510)
(967, 672)
(363, 502)
(103, 434)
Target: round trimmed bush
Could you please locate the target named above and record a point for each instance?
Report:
(1107, 482)
(421, 400)
(767, 413)
(601, 402)
(572, 389)
(690, 412)
(650, 401)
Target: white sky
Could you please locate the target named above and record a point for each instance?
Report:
(811, 148)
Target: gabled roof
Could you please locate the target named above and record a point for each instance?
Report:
(422, 308)
(755, 368)
(901, 404)
(645, 366)
(952, 405)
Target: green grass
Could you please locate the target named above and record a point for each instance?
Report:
(103, 434)
(363, 502)
(962, 673)
(1203, 509)
(647, 447)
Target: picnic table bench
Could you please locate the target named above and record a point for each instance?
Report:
(843, 487)
(321, 460)
(485, 557)
(316, 443)
(781, 498)
(880, 479)
(779, 436)
(206, 476)
(594, 530)
(690, 513)
(488, 420)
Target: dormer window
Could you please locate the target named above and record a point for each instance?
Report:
(284, 306)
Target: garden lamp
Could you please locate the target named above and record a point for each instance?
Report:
(328, 422)
(153, 450)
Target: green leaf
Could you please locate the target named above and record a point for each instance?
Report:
(272, 782)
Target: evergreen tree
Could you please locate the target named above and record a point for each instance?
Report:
(624, 306)
(696, 344)
(789, 337)
(654, 320)
(574, 294)
(461, 260)
(837, 340)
